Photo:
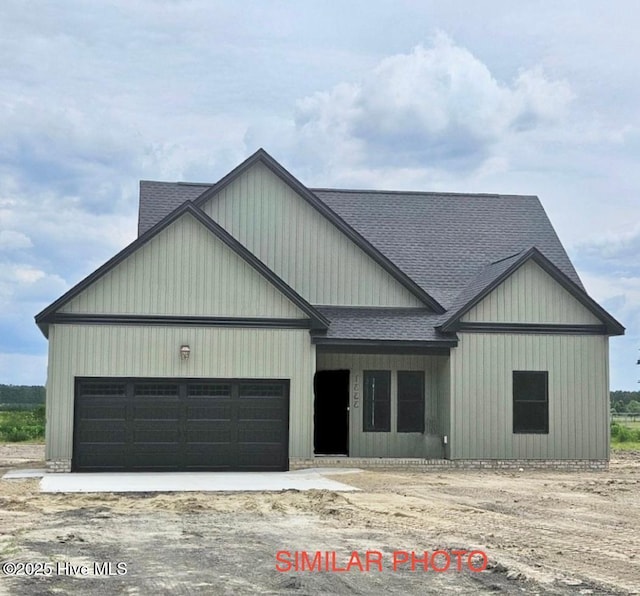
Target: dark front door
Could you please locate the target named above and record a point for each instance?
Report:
(331, 412)
(175, 425)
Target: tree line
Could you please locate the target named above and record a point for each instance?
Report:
(625, 401)
(22, 395)
(33, 395)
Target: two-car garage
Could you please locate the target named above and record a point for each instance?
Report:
(137, 424)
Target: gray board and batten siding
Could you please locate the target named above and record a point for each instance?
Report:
(482, 368)
(301, 245)
(482, 396)
(184, 270)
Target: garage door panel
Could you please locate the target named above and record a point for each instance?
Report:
(95, 432)
(157, 424)
(154, 461)
(260, 435)
(210, 434)
(259, 457)
(166, 448)
(256, 410)
(155, 390)
(209, 390)
(222, 412)
(107, 389)
(155, 435)
(210, 456)
(103, 411)
(263, 390)
(157, 411)
(104, 456)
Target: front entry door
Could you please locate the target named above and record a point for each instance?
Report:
(331, 412)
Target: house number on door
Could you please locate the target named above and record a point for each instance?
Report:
(356, 391)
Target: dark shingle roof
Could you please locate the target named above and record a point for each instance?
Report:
(442, 241)
(384, 324)
(158, 199)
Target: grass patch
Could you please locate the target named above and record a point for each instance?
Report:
(631, 446)
(16, 426)
(633, 424)
(625, 437)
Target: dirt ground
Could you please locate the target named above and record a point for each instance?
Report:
(543, 532)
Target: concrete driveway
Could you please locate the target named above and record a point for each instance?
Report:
(113, 482)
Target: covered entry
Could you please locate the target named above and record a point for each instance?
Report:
(181, 425)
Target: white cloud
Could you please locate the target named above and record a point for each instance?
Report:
(28, 275)
(24, 285)
(12, 240)
(438, 107)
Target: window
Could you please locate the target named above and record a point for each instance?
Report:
(411, 401)
(530, 402)
(376, 410)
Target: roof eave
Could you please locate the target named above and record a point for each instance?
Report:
(334, 341)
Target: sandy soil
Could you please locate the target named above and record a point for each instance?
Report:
(544, 533)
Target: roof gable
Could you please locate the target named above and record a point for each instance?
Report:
(495, 274)
(262, 158)
(49, 314)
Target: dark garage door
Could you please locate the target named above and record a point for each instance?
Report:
(163, 425)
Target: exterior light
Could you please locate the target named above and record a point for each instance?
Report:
(185, 352)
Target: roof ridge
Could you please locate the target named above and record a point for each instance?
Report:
(179, 182)
(419, 192)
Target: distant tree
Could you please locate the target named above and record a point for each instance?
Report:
(620, 406)
(624, 396)
(634, 407)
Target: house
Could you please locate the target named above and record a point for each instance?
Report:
(256, 323)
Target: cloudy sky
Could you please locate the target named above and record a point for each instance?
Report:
(525, 97)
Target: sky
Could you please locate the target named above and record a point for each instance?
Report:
(494, 96)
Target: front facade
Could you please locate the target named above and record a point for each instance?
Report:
(255, 324)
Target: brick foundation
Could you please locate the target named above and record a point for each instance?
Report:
(58, 465)
(426, 465)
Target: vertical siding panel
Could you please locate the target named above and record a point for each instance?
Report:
(599, 385)
(494, 407)
(581, 403)
(566, 419)
(465, 413)
(455, 376)
(507, 392)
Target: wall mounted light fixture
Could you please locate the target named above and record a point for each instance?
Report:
(185, 352)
